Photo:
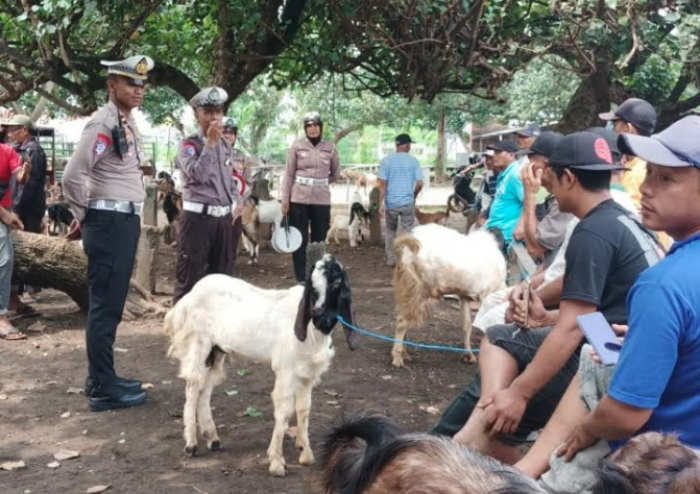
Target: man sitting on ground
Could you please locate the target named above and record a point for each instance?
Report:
(525, 371)
(656, 384)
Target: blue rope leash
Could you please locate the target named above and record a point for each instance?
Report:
(415, 344)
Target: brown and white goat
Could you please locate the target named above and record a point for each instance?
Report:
(439, 218)
(255, 213)
(651, 463)
(433, 261)
(172, 201)
(370, 455)
(290, 329)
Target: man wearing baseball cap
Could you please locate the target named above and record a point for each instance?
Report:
(635, 117)
(529, 371)
(663, 328)
(542, 238)
(400, 180)
(526, 136)
(507, 205)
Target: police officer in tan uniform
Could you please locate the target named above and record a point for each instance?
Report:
(210, 199)
(103, 185)
(242, 176)
(312, 165)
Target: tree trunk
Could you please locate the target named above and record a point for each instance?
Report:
(441, 138)
(53, 262)
(343, 133)
(591, 98)
(375, 221)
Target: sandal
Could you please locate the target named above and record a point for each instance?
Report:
(13, 335)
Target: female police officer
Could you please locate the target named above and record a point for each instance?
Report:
(312, 165)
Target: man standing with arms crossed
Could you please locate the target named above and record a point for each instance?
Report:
(103, 185)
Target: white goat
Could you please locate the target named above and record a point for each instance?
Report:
(256, 213)
(267, 326)
(433, 261)
(342, 222)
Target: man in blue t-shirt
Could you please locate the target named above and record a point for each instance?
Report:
(400, 181)
(507, 204)
(655, 386)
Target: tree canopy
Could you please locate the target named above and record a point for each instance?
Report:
(407, 49)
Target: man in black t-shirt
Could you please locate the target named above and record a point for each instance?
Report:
(525, 371)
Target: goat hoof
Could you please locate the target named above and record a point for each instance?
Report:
(191, 451)
(215, 445)
(306, 457)
(469, 358)
(278, 469)
(397, 362)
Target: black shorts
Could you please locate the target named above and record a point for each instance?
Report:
(522, 346)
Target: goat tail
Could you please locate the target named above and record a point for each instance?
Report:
(349, 466)
(174, 320)
(411, 301)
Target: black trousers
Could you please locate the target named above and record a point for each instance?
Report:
(110, 240)
(204, 246)
(522, 346)
(304, 216)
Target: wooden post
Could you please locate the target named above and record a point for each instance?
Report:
(375, 220)
(146, 255)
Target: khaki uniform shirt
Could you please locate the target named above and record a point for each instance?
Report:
(95, 171)
(306, 160)
(206, 171)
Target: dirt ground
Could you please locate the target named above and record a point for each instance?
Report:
(140, 450)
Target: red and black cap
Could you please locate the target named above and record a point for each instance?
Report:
(507, 146)
(544, 145)
(585, 151)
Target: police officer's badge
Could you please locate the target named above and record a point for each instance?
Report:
(214, 95)
(142, 67)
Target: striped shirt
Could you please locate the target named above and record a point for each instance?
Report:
(400, 171)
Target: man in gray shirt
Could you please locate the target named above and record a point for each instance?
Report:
(211, 201)
(103, 185)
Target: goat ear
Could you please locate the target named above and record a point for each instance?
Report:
(301, 324)
(345, 309)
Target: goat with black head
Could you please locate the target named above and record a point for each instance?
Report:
(290, 329)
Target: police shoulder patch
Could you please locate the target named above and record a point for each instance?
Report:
(189, 149)
(102, 142)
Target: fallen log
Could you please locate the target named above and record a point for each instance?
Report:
(54, 262)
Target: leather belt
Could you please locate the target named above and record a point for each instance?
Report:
(206, 209)
(311, 181)
(127, 207)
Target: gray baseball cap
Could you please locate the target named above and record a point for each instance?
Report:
(677, 146)
(530, 130)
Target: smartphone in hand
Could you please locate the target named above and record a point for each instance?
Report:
(601, 337)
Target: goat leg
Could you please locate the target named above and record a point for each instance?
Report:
(303, 404)
(189, 417)
(466, 314)
(283, 402)
(206, 422)
(399, 353)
